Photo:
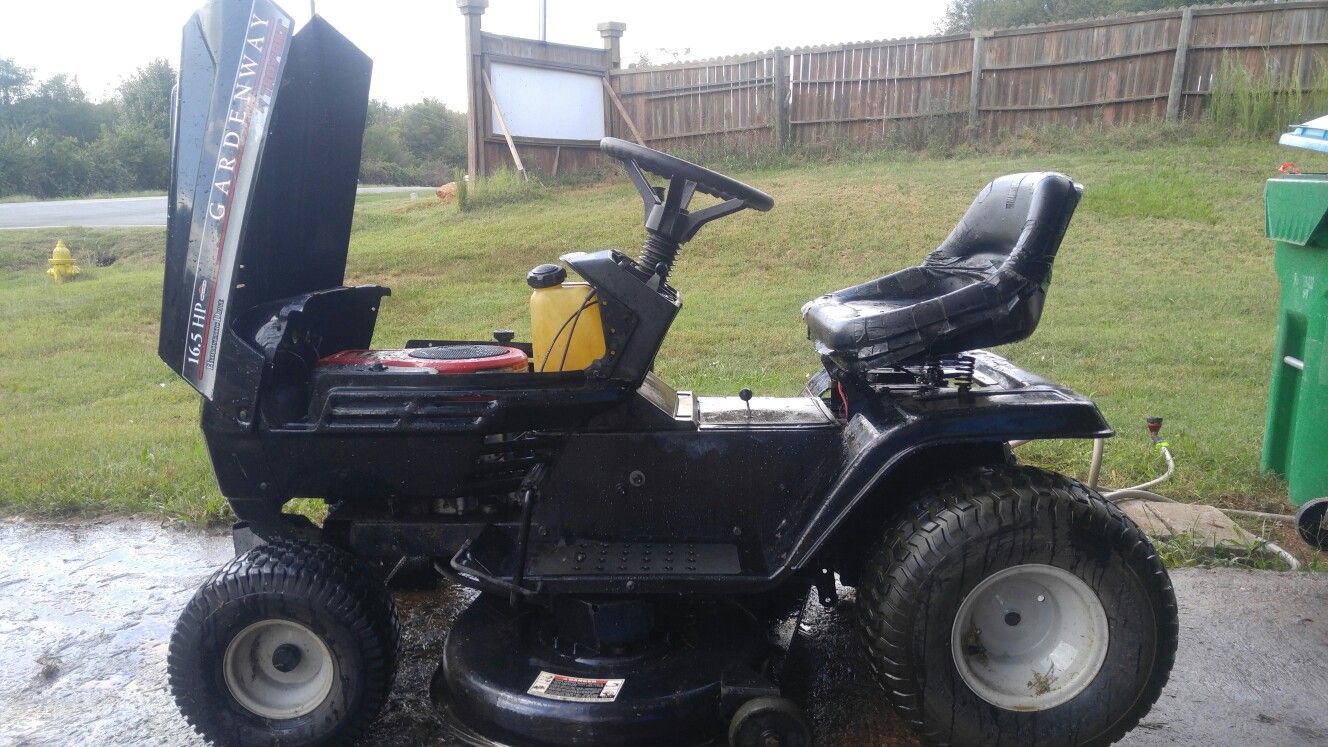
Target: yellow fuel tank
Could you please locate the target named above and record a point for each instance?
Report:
(566, 331)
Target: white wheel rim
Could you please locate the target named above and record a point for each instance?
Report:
(278, 669)
(1029, 637)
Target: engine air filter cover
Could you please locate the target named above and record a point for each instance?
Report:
(453, 358)
(458, 352)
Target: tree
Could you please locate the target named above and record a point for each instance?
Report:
(60, 107)
(143, 100)
(15, 81)
(131, 157)
(54, 141)
(381, 113)
(672, 55)
(14, 157)
(971, 15)
(58, 166)
(430, 131)
(414, 144)
(382, 145)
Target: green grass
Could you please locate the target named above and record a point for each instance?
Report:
(505, 187)
(1193, 550)
(1163, 303)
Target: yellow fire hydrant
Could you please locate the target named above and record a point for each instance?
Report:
(62, 263)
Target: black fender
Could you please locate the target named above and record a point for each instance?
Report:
(891, 443)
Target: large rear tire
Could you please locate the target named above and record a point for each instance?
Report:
(291, 643)
(1015, 606)
(1312, 523)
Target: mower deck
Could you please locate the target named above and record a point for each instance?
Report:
(602, 674)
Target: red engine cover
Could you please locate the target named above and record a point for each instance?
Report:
(458, 358)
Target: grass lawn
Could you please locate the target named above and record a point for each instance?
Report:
(1163, 303)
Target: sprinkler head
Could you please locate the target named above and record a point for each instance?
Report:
(1154, 428)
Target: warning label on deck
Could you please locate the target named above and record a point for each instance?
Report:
(575, 689)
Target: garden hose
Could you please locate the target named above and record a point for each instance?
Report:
(1141, 491)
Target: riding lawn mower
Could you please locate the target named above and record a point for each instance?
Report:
(631, 542)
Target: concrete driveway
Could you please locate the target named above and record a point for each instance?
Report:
(86, 611)
(118, 212)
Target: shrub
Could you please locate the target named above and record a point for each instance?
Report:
(1267, 100)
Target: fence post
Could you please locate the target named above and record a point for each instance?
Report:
(975, 84)
(1176, 95)
(779, 85)
(472, 10)
(612, 32)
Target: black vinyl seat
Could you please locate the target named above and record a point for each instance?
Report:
(983, 286)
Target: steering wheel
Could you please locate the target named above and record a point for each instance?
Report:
(669, 224)
(673, 168)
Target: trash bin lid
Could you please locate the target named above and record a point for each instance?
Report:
(1296, 208)
(1312, 135)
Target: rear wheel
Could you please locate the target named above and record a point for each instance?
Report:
(291, 643)
(1015, 606)
(1312, 523)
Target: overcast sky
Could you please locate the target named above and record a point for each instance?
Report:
(417, 47)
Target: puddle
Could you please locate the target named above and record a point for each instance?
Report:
(85, 614)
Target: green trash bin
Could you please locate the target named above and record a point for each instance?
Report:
(1296, 437)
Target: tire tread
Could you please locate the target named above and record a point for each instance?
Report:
(324, 575)
(978, 501)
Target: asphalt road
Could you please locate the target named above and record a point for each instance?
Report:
(86, 611)
(119, 212)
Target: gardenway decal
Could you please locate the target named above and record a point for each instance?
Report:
(246, 113)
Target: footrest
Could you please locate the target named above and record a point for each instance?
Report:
(590, 558)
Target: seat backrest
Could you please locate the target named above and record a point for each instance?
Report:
(1016, 221)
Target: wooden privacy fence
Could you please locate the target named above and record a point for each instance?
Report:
(1115, 70)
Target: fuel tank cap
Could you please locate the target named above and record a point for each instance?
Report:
(546, 276)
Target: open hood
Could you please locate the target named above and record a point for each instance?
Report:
(266, 135)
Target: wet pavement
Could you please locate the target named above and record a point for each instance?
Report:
(86, 610)
(85, 614)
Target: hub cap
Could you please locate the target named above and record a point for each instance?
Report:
(1029, 637)
(278, 669)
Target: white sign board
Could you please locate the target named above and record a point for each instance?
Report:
(544, 103)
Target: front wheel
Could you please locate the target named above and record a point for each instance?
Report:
(290, 643)
(1015, 606)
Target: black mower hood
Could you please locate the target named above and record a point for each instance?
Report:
(266, 134)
